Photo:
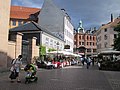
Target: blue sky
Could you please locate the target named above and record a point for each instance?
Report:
(93, 13)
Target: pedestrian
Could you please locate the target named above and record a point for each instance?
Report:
(93, 61)
(16, 66)
(88, 61)
(82, 60)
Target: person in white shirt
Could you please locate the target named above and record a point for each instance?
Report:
(16, 65)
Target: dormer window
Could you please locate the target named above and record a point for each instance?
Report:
(105, 29)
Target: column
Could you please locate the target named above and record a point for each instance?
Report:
(18, 44)
(33, 48)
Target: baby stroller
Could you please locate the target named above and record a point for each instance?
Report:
(30, 70)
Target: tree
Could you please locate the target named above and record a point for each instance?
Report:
(117, 39)
(51, 49)
(42, 51)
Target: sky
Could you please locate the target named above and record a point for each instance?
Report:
(93, 13)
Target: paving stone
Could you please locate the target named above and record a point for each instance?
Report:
(70, 78)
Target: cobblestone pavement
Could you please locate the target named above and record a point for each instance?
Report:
(69, 78)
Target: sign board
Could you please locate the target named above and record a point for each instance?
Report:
(67, 47)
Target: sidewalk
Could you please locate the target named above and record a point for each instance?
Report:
(68, 78)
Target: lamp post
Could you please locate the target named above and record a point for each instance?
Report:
(57, 49)
(40, 52)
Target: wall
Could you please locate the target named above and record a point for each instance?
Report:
(52, 44)
(68, 33)
(4, 28)
(11, 52)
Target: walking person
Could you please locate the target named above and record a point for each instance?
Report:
(83, 60)
(93, 61)
(88, 61)
(16, 65)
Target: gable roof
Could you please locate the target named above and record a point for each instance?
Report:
(32, 26)
(25, 27)
(111, 24)
(20, 12)
(51, 17)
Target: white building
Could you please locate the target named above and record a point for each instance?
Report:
(44, 37)
(68, 33)
(106, 35)
(52, 42)
(57, 21)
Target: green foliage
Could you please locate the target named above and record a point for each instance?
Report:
(51, 49)
(42, 50)
(117, 40)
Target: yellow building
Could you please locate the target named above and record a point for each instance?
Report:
(20, 15)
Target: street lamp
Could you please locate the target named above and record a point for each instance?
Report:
(57, 49)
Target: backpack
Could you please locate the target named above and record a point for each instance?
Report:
(12, 61)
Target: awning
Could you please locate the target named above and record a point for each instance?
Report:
(64, 53)
(110, 52)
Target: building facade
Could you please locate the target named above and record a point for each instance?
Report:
(4, 28)
(57, 21)
(20, 15)
(68, 33)
(84, 42)
(106, 35)
(43, 37)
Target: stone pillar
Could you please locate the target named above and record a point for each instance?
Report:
(33, 48)
(4, 28)
(18, 44)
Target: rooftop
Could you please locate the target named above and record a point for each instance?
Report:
(20, 12)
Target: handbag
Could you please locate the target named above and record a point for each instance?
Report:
(13, 74)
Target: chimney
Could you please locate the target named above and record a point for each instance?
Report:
(111, 17)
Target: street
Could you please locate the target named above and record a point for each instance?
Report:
(68, 78)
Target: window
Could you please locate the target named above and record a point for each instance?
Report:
(94, 50)
(24, 22)
(82, 43)
(105, 37)
(51, 42)
(88, 50)
(105, 44)
(14, 22)
(19, 22)
(105, 29)
(47, 41)
(115, 35)
(79, 43)
(55, 44)
(99, 46)
(82, 37)
(93, 38)
(87, 43)
(90, 37)
(87, 37)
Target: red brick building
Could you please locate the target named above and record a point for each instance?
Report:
(84, 42)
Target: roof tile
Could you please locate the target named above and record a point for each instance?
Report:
(20, 12)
